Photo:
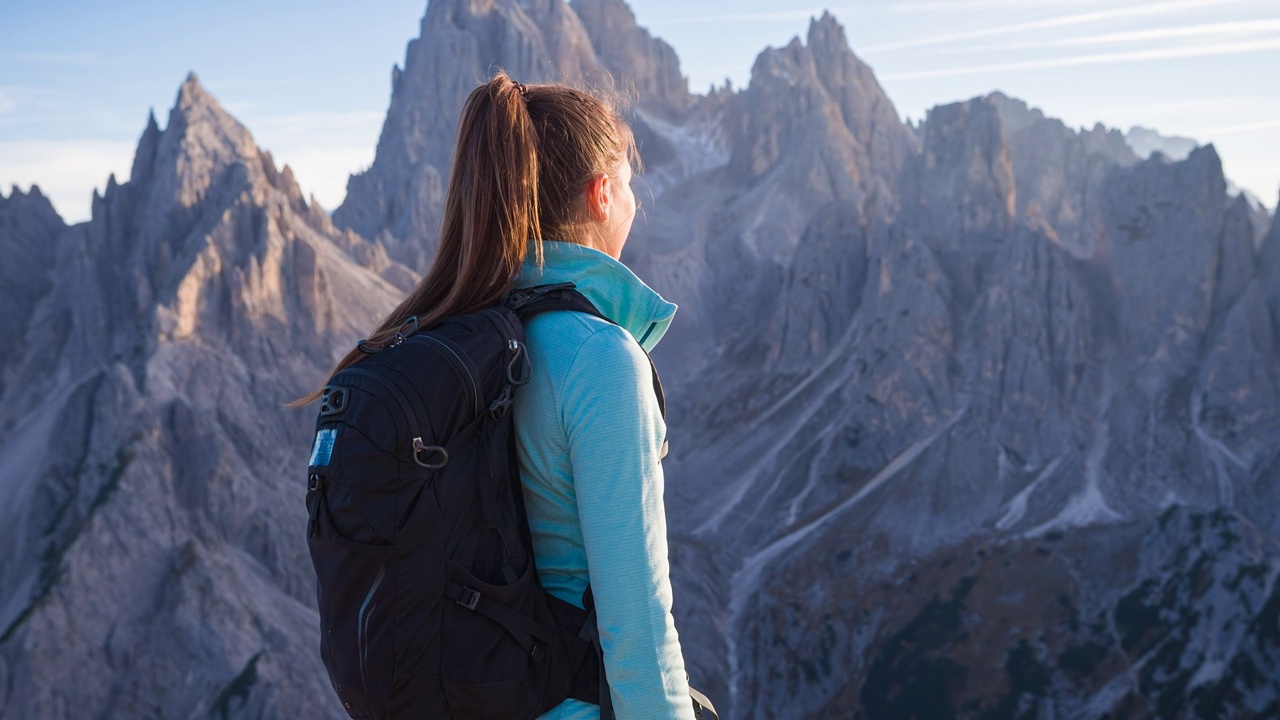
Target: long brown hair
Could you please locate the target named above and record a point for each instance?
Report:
(525, 154)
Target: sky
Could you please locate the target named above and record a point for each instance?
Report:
(311, 79)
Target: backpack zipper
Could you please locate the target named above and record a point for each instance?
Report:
(390, 387)
(458, 364)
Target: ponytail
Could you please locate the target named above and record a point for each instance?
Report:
(524, 155)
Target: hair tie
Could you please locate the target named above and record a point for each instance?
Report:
(524, 92)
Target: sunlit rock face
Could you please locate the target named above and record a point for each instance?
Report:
(974, 419)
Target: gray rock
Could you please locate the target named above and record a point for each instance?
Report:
(975, 418)
(1058, 173)
(397, 201)
(29, 231)
(638, 61)
(148, 504)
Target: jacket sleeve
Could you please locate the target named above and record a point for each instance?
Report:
(615, 432)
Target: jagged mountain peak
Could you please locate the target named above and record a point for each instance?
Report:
(1053, 167)
(826, 34)
(1203, 167)
(16, 191)
(192, 93)
(164, 335)
(635, 57)
(806, 99)
(202, 152)
(208, 228)
(32, 197)
(199, 122)
(30, 228)
(1016, 113)
(1019, 116)
(397, 200)
(145, 155)
(967, 182)
(201, 141)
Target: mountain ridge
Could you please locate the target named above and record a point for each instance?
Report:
(918, 371)
(201, 296)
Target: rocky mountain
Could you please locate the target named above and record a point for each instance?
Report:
(397, 201)
(1146, 142)
(973, 419)
(29, 229)
(150, 513)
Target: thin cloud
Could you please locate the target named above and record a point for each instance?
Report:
(754, 17)
(1220, 31)
(32, 97)
(1247, 127)
(6, 104)
(1243, 28)
(1246, 103)
(1171, 53)
(950, 5)
(1061, 21)
(319, 122)
(69, 59)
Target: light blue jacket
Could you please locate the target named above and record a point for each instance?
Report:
(589, 435)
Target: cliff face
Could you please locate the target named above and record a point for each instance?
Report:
(29, 232)
(899, 352)
(149, 509)
(975, 420)
(640, 63)
(1000, 386)
(397, 201)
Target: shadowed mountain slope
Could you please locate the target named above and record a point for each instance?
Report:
(976, 419)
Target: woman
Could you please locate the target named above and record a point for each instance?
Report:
(540, 193)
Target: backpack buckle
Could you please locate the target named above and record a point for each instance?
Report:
(333, 400)
(470, 598)
(523, 296)
(500, 404)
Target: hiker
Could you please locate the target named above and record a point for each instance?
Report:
(589, 431)
(539, 195)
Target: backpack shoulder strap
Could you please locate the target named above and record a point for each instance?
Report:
(528, 302)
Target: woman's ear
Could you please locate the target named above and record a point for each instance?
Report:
(599, 197)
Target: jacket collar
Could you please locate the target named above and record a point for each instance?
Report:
(611, 286)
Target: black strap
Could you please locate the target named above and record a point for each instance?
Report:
(524, 630)
(591, 633)
(528, 302)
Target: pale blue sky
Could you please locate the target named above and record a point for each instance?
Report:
(311, 79)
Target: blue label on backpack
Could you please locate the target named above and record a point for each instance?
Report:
(322, 450)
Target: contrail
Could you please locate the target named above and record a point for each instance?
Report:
(1242, 29)
(1160, 8)
(1234, 48)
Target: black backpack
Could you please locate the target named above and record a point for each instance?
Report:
(430, 604)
